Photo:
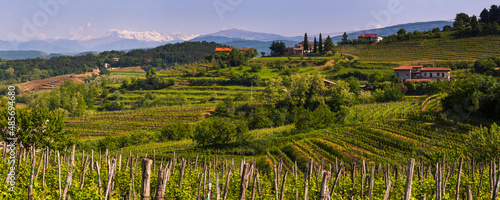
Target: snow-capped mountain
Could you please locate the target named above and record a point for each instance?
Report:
(149, 36)
(114, 39)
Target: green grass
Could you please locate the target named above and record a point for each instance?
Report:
(408, 52)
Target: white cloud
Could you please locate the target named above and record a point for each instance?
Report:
(41, 36)
(79, 32)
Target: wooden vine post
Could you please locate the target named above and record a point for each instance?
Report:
(459, 178)
(146, 178)
(409, 179)
(32, 174)
(69, 176)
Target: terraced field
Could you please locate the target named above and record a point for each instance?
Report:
(123, 122)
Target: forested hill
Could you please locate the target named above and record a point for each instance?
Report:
(18, 71)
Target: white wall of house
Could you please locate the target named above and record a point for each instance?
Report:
(436, 75)
(402, 74)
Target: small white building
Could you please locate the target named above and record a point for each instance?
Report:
(371, 37)
(419, 73)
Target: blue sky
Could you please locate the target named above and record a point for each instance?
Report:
(74, 19)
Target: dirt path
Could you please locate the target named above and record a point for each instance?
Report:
(328, 63)
(53, 82)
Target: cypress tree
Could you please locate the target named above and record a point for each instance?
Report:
(306, 43)
(315, 45)
(320, 44)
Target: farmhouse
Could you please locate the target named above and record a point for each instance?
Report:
(370, 37)
(116, 59)
(223, 50)
(244, 49)
(420, 73)
(297, 50)
(96, 70)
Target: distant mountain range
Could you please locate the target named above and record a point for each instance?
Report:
(126, 40)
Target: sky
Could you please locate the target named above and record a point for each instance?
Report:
(80, 19)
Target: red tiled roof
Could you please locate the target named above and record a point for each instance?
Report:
(421, 79)
(368, 35)
(407, 67)
(245, 48)
(222, 49)
(435, 69)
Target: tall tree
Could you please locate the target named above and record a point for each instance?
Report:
(315, 45)
(344, 38)
(461, 19)
(320, 44)
(306, 43)
(329, 45)
(484, 16)
(494, 14)
(278, 48)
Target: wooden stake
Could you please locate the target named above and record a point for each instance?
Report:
(409, 179)
(69, 176)
(459, 179)
(162, 182)
(226, 187)
(387, 190)
(370, 187)
(337, 180)
(85, 166)
(32, 174)
(59, 173)
(244, 180)
(283, 185)
(111, 172)
(146, 178)
(98, 169)
(323, 194)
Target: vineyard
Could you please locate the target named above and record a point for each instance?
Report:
(126, 121)
(50, 174)
(427, 51)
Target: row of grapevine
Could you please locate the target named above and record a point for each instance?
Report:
(51, 174)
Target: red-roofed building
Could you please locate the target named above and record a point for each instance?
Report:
(243, 49)
(223, 49)
(96, 70)
(370, 37)
(419, 73)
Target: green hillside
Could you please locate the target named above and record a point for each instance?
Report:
(426, 51)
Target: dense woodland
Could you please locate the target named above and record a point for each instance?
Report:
(162, 57)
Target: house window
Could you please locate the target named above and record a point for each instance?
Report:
(430, 74)
(407, 74)
(425, 74)
(442, 75)
(397, 73)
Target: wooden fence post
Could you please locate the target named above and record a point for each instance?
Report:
(370, 188)
(146, 178)
(459, 178)
(409, 179)
(323, 194)
(69, 176)
(32, 174)
(387, 190)
(244, 180)
(162, 182)
(111, 174)
(226, 187)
